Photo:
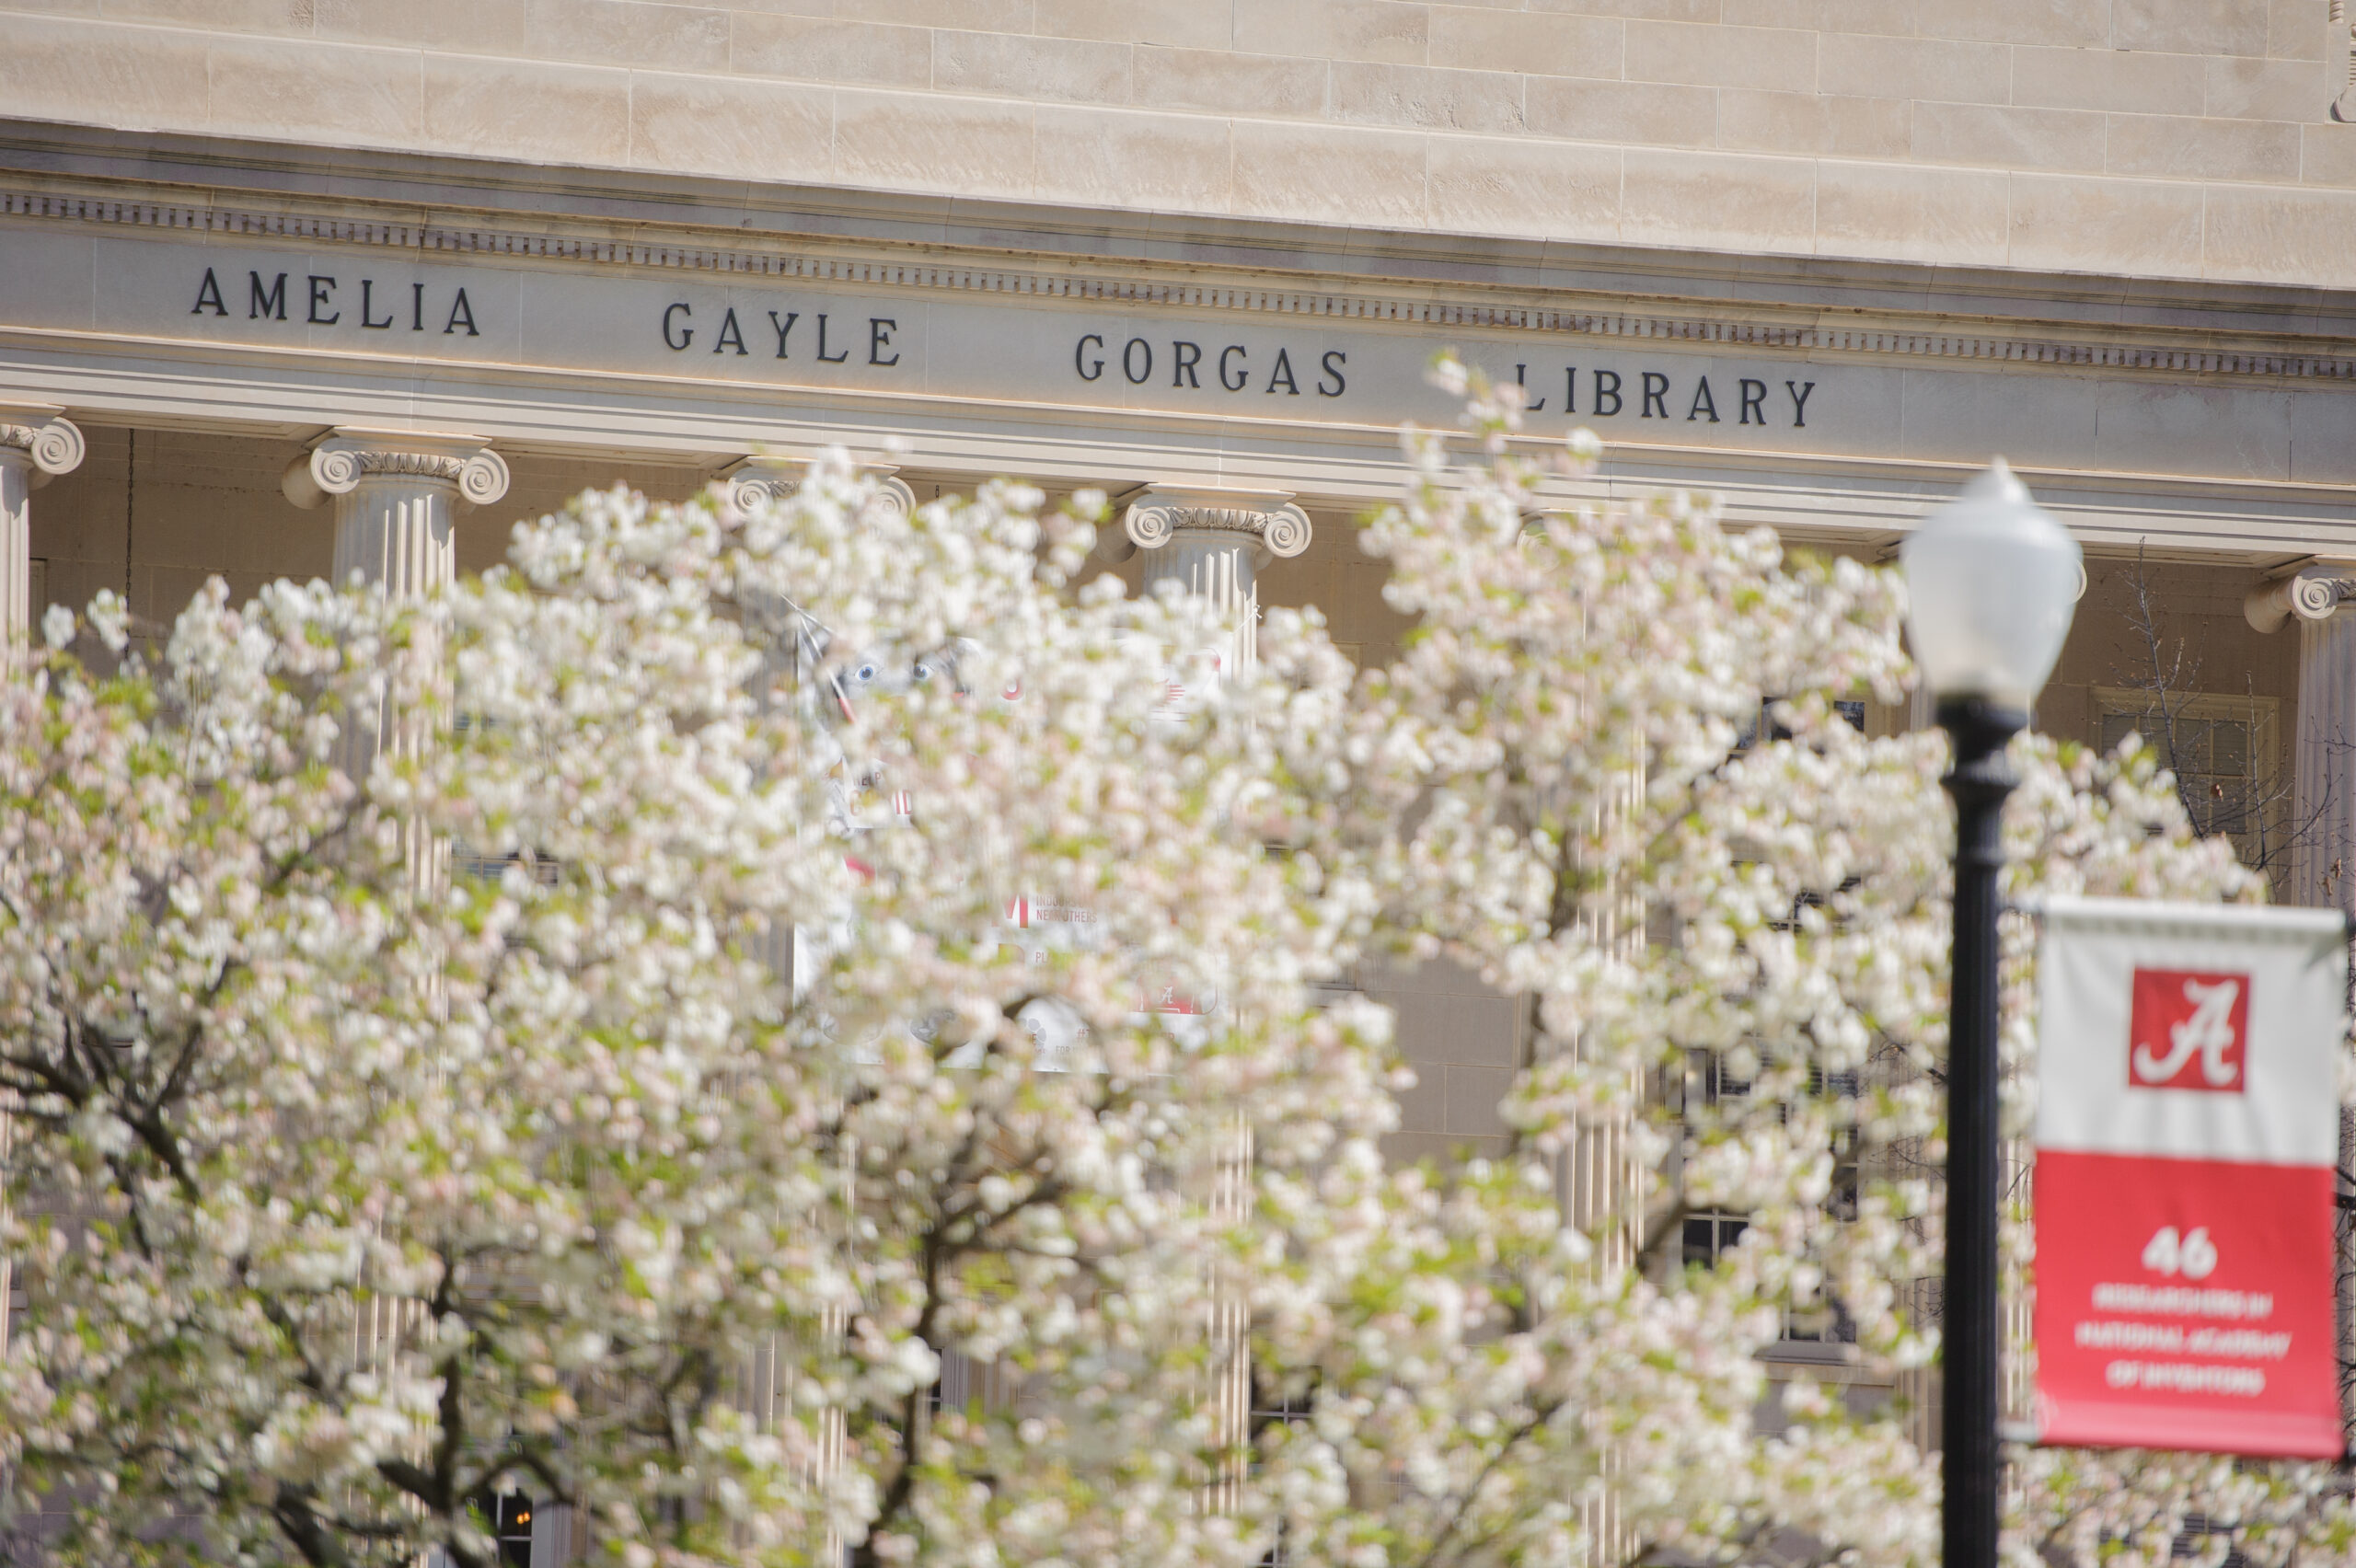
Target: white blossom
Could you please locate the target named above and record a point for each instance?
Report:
(639, 1080)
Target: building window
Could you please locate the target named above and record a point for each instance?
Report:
(2224, 752)
(1708, 1084)
(1762, 722)
(514, 1531)
(1708, 1237)
(1271, 1405)
(1275, 1404)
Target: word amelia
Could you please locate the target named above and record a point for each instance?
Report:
(267, 302)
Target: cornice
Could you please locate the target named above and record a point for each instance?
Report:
(888, 266)
(244, 387)
(249, 170)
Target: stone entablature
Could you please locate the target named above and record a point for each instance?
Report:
(1828, 401)
(1700, 376)
(1874, 331)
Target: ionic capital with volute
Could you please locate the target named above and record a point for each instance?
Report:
(766, 477)
(396, 494)
(2312, 592)
(37, 444)
(350, 457)
(1268, 521)
(40, 438)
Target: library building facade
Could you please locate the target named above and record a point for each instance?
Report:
(300, 288)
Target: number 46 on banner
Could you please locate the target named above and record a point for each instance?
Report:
(2188, 1136)
(2195, 1256)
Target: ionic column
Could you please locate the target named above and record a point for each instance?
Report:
(762, 1387)
(2323, 778)
(37, 444)
(2342, 62)
(1212, 543)
(7, 1272)
(396, 493)
(396, 496)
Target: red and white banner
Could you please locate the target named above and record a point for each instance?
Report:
(2187, 1128)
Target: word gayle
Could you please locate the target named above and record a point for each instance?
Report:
(679, 335)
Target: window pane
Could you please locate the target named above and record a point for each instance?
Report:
(2192, 736)
(516, 1532)
(2229, 742)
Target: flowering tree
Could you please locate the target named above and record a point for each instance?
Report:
(847, 958)
(1608, 771)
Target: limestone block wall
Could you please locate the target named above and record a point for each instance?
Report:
(151, 514)
(1464, 1041)
(2176, 138)
(2177, 652)
(2199, 645)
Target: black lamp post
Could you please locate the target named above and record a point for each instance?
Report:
(1992, 582)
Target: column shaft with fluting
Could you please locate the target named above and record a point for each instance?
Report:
(2321, 832)
(37, 441)
(1212, 544)
(396, 495)
(2323, 788)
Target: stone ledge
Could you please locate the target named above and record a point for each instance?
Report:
(458, 191)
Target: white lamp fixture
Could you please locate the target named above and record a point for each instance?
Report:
(1992, 582)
